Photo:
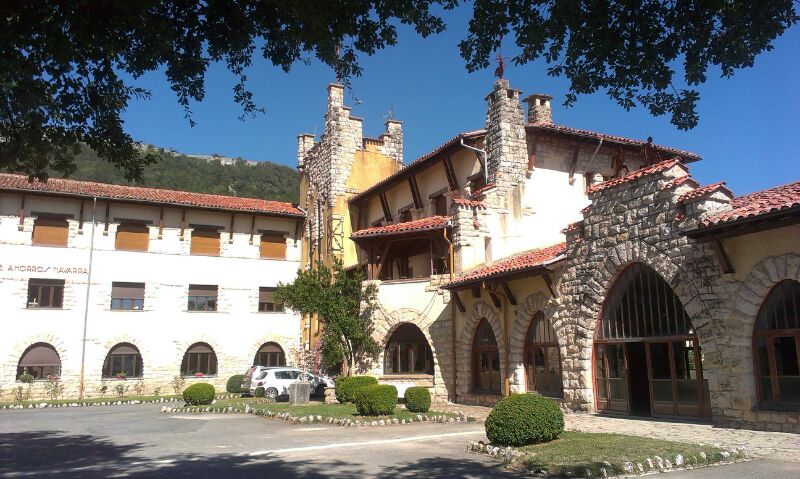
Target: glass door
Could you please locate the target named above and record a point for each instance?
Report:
(611, 377)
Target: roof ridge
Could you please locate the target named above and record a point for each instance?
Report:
(635, 174)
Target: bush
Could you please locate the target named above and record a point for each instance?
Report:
(418, 399)
(234, 384)
(25, 378)
(522, 419)
(376, 400)
(346, 386)
(259, 393)
(199, 394)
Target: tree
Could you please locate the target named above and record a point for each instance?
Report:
(67, 66)
(344, 307)
(631, 49)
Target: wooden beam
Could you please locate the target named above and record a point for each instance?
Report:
(252, 228)
(230, 230)
(495, 298)
(108, 212)
(22, 214)
(457, 301)
(80, 219)
(507, 290)
(383, 260)
(183, 222)
(452, 180)
(412, 184)
(549, 282)
(387, 214)
(161, 223)
(574, 163)
(722, 256)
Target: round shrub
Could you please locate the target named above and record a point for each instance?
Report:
(376, 400)
(25, 378)
(234, 384)
(522, 419)
(199, 394)
(346, 386)
(259, 392)
(418, 399)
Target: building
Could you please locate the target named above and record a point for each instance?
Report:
(592, 268)
(117, 285)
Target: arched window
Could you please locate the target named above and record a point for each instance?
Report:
(486, 359)
(408, 352)
(542, 358)
(776, 340)
(270, 354)
(123, 361)
(647, 358)
(40, 360)
(199, 360)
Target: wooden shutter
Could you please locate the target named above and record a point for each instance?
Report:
(50, 231)
(132, 237)
(202, 290)
(265, 294)
(205, 242)
(272, 246)
(127, 290)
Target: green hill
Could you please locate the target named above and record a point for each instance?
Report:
(264, 180)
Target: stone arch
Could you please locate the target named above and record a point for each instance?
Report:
(108, 356)
(747, 302)
(10, 368)
(516, 342)
(183, 345)
(118, 339)
(281, 341)
(479, 311)
(393, 320)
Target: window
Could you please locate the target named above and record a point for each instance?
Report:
(205, 241)
(202, 298)
(486, 359)
(40, 361)
(199, 360)
(127, 296)
(542, 358)
(407, 351)
(286, 374)
(132, 236)
(405, 216)
(776, 339)
(273, 246)
(270, 354)
(265, 302)
(123, 361)
(45, 293)
(50, 231)
(440, 205)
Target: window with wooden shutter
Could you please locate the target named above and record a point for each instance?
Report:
(127, 296)
(49, 231)
(273, 246)
(266, 303)
(132, 237)
(202, 297)
(205, 242)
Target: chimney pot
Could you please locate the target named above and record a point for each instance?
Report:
(539, 108)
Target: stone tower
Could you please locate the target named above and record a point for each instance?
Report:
(506, 148)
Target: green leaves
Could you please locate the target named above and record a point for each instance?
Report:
(632, 50)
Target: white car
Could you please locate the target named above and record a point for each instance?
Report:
(276, 381)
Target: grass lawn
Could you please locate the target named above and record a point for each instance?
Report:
(110, 398)
(574, 452)
(336, 411)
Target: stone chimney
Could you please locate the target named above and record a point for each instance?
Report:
(539, 108)
(393, 140)
(305, 142)
(506, 148)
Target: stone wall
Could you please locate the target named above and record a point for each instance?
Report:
(506, 148)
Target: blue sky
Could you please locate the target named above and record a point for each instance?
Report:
(749, 131)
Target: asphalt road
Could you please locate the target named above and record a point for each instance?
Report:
(139, 441)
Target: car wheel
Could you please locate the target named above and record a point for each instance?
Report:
(271, 393)
(320, 391)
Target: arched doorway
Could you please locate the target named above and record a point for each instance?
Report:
(485, 360)
(123, 360)
(776, 339)
(647, 359)
(407, 352)
(270, 354)
(199, 360)
(542, 358)
(40, 360)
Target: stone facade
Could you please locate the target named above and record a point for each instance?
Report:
(506, 148)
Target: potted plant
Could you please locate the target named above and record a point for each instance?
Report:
(198, 375)
(121, 375)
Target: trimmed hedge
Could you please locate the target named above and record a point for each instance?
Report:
(234, 384)
(522, 419)
(199, 394)
(259, 392)
(346, 386)
(376, 400)
(418, 399)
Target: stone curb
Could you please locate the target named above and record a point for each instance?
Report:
(286, 417)
(110, 402)
(652, 465)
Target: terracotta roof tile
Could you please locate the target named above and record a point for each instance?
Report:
(423, 224)
(680, 181)
(483, 189)
(469, 203)
(636, 174)
(688, 155)
(705, 190)
(572, 227)
(89, 189)
(759, 203)
(517, 262)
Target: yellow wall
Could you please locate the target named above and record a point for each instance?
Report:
(745, 251)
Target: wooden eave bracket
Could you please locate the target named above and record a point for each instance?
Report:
(507, 290)
(722, 257)
(457, 301)
(548, 280)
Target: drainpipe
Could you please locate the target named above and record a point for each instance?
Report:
(86, 308)
(591, 160)
(481, 158)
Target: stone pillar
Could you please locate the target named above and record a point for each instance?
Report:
(393, 140)
(305, 142)
(539, 109)
(506, 148)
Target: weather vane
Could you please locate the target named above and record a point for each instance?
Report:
(498, 72)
